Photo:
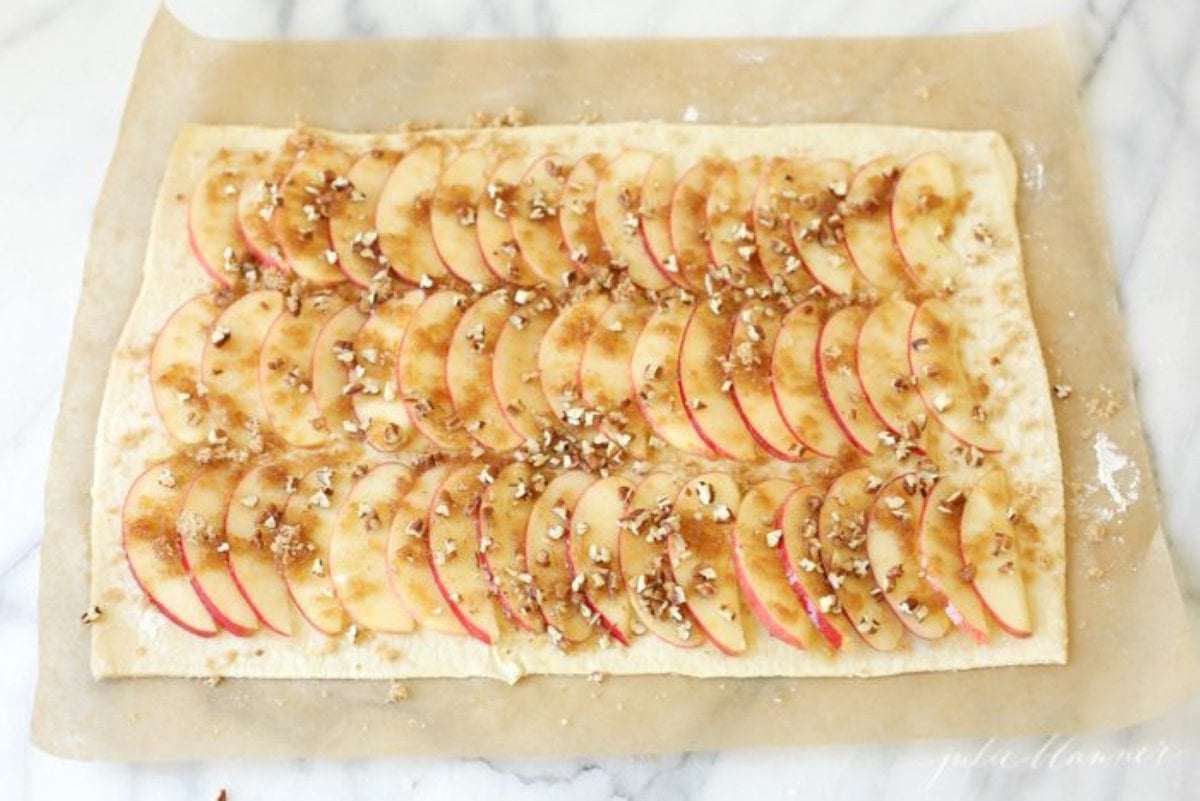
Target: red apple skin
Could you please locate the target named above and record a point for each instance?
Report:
(832, 627)
(995, 615)
(839, 413)
(212, 272)
(610, 626)
(956, 615)
(246, 591)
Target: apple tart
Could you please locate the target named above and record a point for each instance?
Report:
(636, 398)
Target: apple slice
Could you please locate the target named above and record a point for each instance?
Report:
(801, 555)
(949, 393)
(469, 371)
(213, 229)
(300, 223)
(402, 215)
(494, 231)
(255, 207)
(729, 211)
(842, 528)
(229, 366)
(816, 224)
(568, 617)
(703, 382)
(452, 217)
(655, 371)
(421, 367)
(942, 560)
(561, 354)
(332, 356)
(867, 225)
(618, 216)
(749, 362)
(895, 562)
(514, 368)
(454, 552)
(658, 187)
(701, 558)
(204, 547)
(352, 217)
(255, 509)
(761, 572)
(773, 208)
(593, 542)
(576, 215)
(657, 600)
(534, 219)
(371, 382)
(175, 369)
(300, 544)
(284, 377)
(689, 222)
(796, 385)
(503, 520)
(408, 566)
(991, 555)
(925, 203)
(604, 380)
(358, 550)
(885, 373)
(837, 371)
(152, 547)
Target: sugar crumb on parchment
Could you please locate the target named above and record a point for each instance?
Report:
(511, 117)
(398, 691)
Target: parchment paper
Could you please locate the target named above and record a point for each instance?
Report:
(1131, 653)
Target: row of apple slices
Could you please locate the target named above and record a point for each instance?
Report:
(460, 546)
(429, 215)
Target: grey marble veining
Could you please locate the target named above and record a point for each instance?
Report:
(64, 71)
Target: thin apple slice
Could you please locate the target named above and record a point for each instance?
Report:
(749, 363)
(213, 229)
(421, 367)
(757, 552)
(801, 555)
(358, 550)
(452, 217)
(352, 217)
(514, 368)
(942, 560)
(867, 225)
(301, 545)
(658, 187)
(655, 371)
(503, 519)
(837, 371)
(895, 561)
(991, 555)
(204, 547)
(151, 544)
(702, 560)
(577, 215)
(618, 216)
(371, 381)
(229, 366)
(842, 528)
(454, 551)
(821, 188)
(703, 382)
(300, 223)
(332, 357)
(255, 207)
(175, 369)
(284, 377)
(255, 510)
(593, 541)
(729, 211)
(885, 373)
(568, 617)
(657, 600)
(689, 223)
(493, 229)
(949, 393)
(534, 220)
(925, 203)
(561, 354)
(773, 208)
(409, 568)
(469, 371)
(604, 380)
(796, 385)
(402, 215)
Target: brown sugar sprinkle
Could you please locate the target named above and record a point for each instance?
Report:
(398, 691)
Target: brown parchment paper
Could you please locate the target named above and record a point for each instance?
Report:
(1131, 653)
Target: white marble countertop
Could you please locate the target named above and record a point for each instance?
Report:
(65, 67)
